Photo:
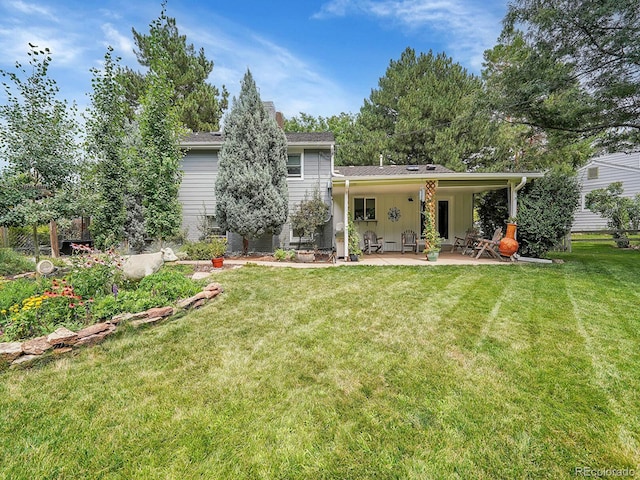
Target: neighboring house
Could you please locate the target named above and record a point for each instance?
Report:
(600, 172)
(309, 163)
(389, 199)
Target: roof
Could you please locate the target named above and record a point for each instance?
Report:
(435, 172)
(216, 139)
(392, 170)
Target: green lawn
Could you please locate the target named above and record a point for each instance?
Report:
(519, 371)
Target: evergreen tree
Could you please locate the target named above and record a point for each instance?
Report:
(251, 188)
(425, 111)
(200, 105)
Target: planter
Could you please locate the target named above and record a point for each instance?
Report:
(433, 256)
(305, 257)
(217, 262)
(509, 245)
(353, 257)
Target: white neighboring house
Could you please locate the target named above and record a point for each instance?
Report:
(600, 172)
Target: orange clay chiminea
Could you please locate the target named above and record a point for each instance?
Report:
(509, 245)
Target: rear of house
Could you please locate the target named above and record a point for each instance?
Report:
(309, 163)
(600, 172)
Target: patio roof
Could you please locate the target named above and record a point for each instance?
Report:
(419, 173)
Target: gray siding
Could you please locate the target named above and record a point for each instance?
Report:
(316, 174)
(200, 169)
(617, 167)
(196, 194)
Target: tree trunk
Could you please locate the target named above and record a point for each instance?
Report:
(245, 246)
(53, 238)
(4, 234)
(36, 242)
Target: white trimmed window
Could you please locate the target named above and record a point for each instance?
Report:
(364, 208)
(592, 173)
(294, 165)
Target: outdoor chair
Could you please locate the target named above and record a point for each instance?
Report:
(410, 241)
(490, 246)
(466, 243)
(371, 240)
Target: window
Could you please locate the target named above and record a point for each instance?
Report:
(294, 166)
(364, 208)
(592, 173)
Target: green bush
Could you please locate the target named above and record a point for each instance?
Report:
(157, 290)
(12, 263)
(545, 212)
(199, 250)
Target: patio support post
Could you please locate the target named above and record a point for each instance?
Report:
(430, 187)
(346, 219)
(513, 196)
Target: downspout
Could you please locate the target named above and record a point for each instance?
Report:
(513, 207)
(346, 219)
(333, 172)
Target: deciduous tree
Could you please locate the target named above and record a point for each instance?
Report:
(576, 69)
(37, 138)
(106, 129)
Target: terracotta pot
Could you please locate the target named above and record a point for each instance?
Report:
(509, 245)
(217, 262)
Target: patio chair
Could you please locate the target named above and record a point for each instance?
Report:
(490, 246)
(466, 243)
(409, 240)
(371, 240)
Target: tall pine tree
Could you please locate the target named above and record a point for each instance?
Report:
(251, 189)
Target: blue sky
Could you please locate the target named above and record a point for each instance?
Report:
(317, 57)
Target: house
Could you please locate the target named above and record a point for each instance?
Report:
(389, 199)
(600, 172)
(309, 164)
(386, 199)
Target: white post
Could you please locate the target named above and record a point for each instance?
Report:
(346, 219)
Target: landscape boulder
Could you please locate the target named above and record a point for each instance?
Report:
(136, 267)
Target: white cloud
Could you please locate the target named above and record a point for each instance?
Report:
(122, 44)
(290, 82)
(30, 9)
(466, 28)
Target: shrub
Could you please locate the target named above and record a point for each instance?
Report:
(12, 263)
(199, 250)
(622, 213)
(493, 209)
(157, 290)
(545, 212)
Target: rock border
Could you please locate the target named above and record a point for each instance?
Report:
(63, 340)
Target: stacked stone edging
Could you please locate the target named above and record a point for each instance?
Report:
(64, 340)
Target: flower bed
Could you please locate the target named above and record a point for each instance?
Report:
(92, 291)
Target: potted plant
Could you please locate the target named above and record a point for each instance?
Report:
(354, 242)
(432, 240)
(218, 247)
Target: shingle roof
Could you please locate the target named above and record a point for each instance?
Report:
(216, 138)
(371, 170)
